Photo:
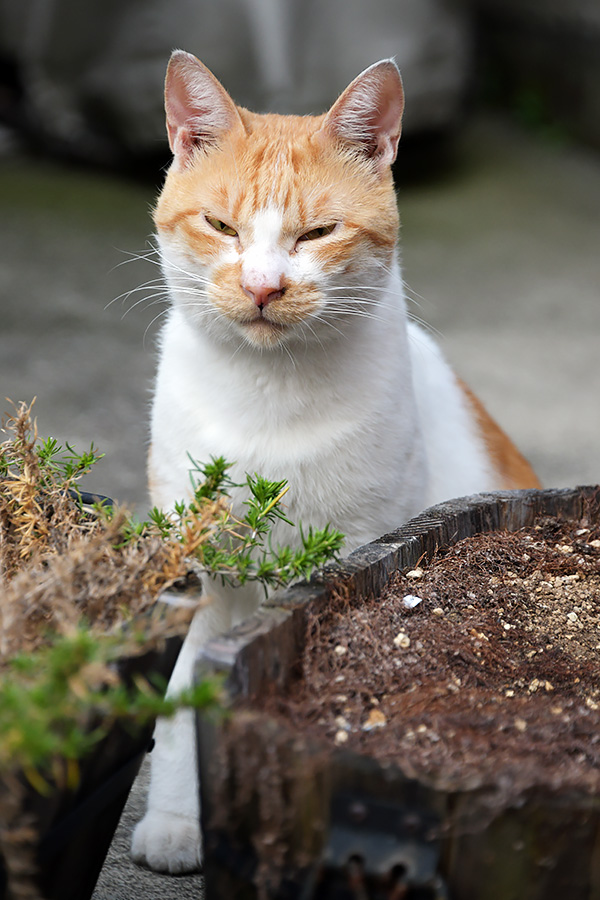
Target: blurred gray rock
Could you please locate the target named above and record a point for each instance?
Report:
(93, 72)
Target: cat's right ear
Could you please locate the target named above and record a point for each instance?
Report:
(199, 109)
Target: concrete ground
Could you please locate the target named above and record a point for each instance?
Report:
(501, 250)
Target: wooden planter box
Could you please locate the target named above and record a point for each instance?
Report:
(75, 828)
(287, 817)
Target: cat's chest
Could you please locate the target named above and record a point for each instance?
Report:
(340, 430)
(256, 411)
(261, 422)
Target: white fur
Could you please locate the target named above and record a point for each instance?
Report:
(368, 432)
(457, 459)
(265, 264)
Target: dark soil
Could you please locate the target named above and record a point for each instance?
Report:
(491, 679)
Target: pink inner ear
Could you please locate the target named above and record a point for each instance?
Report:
(198, 108)
(178, 107)
(369, 113)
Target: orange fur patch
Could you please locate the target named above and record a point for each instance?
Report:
(513, 469)
(284, 162)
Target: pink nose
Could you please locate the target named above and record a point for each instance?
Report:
(262, 295)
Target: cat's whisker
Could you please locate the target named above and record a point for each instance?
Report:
(151, 300)
(149, 285)
(158, 288)
(352, 284)
(346, 298)
(319, 318)
(349, 310)
(168, 264)
(241, 344)
(163, 312)
(135, 255)
(307, 325)
(192, 279)
(155, 257)
(346, 315)
(426, 326)
(155, 260)
(152, 282)
(350, 292)
(198, 293)
(413, 297)
(384, 267)
(356, 305)
(355, 301)
(192, 301)
(358, 314)
(283, 345)
(356, 287)
(162, 295)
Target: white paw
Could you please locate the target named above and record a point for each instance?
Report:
(167, 843)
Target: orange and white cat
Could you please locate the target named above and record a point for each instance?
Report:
(288, 349)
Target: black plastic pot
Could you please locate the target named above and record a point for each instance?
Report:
(75, 828)
(285, 817)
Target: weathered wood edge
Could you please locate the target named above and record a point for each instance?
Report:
(261, 653)
(264, 650)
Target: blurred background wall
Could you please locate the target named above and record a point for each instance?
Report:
(541, 59)
(86, 78)
(90, 74)
(499, 179)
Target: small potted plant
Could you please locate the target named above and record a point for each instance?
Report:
(87, 646)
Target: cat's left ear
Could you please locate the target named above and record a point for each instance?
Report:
(368, 115)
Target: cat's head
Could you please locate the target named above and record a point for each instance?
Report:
(278, 228)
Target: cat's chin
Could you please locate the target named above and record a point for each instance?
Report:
(263, 333)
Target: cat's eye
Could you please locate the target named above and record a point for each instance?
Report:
(315, 233)
(218, 225)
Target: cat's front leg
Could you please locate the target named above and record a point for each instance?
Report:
(168, 838)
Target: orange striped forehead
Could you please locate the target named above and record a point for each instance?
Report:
(283, 163)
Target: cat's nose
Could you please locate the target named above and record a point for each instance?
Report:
(261, 294)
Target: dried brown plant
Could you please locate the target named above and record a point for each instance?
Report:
(61, 565)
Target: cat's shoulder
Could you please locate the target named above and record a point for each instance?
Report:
(456, 424)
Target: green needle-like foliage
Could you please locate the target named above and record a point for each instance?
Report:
(61, 700)
(239, 549)
(71, 578)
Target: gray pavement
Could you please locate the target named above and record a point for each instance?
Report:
(503, 250)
